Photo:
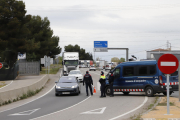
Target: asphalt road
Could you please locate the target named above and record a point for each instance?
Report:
(69, 107)
(175, 94)
(45, 105)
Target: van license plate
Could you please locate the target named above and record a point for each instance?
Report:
(65, 92)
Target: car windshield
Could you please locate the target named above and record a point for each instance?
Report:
(75, 72)
(71, 62)
(67, 80)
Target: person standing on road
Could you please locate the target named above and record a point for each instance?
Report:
(88, 81)
(102, 82)
(111, 81)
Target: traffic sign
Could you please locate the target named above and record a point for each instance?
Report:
(1, 65)
(100, 44)
(168, 63)
(100, 50)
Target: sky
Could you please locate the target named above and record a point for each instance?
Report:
(140, 25)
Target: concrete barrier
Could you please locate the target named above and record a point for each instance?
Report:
(13, 94)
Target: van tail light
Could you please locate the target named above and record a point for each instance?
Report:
(160, 80)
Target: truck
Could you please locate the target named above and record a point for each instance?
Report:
(70, 62)
(90, 63)
(82, 63)
(87, 63)
(102, 64)
(108, 66)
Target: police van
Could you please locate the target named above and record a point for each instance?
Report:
(141, 76)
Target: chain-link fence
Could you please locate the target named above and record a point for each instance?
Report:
(29, 68)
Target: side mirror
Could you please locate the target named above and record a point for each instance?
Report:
(56, 82)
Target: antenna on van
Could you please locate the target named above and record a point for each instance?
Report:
(134, 57)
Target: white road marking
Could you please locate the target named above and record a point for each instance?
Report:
(98, 86)
(145, 100)
(29, 112)
(61, 110)
(31, 100)
(168, 63)
(100, 111)
(7, 84)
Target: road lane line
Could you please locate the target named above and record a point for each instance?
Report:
(145, 100)
(7, 85)
(61, 110)
(31, 100)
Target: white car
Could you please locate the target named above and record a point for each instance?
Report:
(77, 74)
(92, 68)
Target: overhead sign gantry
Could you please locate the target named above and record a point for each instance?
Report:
(102, 46)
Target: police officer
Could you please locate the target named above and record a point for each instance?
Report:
(102, 81)
(111, 81)
(88, 81)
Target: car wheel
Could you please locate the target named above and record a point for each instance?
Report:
(126, 93)
(108, 91)
(149, 92)
(56, 94)
(165, 93)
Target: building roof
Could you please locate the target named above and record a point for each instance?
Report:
(160, 49)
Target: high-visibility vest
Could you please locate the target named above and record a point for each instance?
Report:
(103, 77)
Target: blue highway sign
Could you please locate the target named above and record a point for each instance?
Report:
(100, 44)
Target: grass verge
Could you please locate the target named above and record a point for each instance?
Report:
(24, 96)
(138, 116)
(54, 68)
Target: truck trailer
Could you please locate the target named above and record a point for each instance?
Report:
(70, 62)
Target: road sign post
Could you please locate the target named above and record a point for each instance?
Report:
(1, 65)
(168, 64)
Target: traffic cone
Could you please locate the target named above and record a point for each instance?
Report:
(94, 90)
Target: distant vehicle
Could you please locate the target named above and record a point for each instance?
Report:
(82, 63)
(87, 63)
(83, 66)
(141, 76)
(67, 85)
(108, 66)
(70, 62)
(77, 74)
(92, 68)
(91, 63)
(102, 64)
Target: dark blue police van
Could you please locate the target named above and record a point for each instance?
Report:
(141, 76)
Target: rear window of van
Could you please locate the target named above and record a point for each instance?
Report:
(140, 70)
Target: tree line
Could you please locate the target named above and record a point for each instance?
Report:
(24, 33)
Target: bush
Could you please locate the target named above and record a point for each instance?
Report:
(9, 101)
(23, 96)
(30, 93)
